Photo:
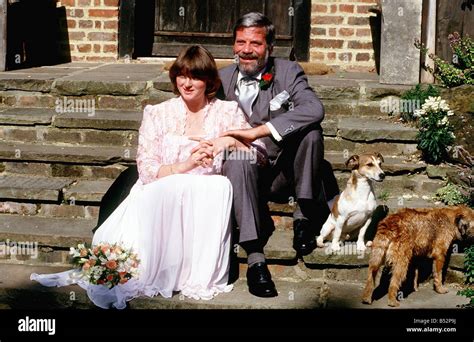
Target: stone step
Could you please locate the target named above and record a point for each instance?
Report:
(324, 290)
(32, 188)
(75, 171)
(103, 155)
(70, 210)
(390, 148)
(73, 190)
(361, 129)
(391, 165)
(282, 214)
(95, 155)
(393, 186)
(100, 155)
(46, 231)
(21, 293)
(66, 232)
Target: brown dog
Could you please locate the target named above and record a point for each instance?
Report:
(411, 233)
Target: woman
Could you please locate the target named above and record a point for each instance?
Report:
(176, 218)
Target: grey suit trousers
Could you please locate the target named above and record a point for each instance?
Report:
(296, 172)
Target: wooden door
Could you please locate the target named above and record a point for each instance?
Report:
(179, 23)
(453, 15)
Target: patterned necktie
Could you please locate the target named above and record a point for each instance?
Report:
(247, 93)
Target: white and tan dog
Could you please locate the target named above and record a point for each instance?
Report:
(353, 208)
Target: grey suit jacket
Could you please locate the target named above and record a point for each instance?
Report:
(303, 108)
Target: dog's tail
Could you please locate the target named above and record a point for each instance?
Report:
(381, 244)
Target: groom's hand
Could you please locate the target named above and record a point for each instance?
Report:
(248, 136)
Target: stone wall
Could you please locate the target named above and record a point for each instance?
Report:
(92, 29)
(341, 34)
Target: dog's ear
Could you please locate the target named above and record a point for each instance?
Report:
(379, 157)
(353, 162)
(462, 223)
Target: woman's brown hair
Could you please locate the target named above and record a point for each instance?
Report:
(196, 62)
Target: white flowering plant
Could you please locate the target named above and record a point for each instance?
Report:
(105, 264)
(435, 132)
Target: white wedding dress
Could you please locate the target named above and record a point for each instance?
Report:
(179, 224)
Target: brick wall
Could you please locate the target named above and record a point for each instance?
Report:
(92, 29)
(341, 34)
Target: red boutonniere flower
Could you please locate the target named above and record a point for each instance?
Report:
(267, 79)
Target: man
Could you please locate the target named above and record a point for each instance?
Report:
(289, 124)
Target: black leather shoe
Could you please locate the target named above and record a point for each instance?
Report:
(304, 241)
(260, 281)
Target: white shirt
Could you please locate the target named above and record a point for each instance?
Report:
(272, 129)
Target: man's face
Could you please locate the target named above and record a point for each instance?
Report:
(251, 47)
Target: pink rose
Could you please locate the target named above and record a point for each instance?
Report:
(111, 264)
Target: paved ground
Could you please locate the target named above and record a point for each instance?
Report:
(18, 292)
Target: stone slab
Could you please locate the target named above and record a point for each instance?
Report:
(368, 129)
(152, 69)
(102, 119)
(391, 165)
(347, 256)
(17, 289)
(32, 188)
(26, 82)
(57, 232)
(87, 190)
(19, 292)
(101, 84)
(67, 154)
(399, 58)
(279, 247)
(343, 295)
(26, 116)
(162, 83)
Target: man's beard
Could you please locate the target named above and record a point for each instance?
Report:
(254, 68)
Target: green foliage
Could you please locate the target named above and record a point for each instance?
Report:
(451, 195)
(461, 70)
(416, 95)
(435, 133)
(469, 273)
(384, 195)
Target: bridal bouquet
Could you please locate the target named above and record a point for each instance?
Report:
(105, 264)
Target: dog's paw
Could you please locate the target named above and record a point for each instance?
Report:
(368, 244)
(361, 246)
(320, 241)
(393, 303)
(441, 290)
(335, 247)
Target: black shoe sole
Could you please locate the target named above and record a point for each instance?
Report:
(306, 250)
(264, 295)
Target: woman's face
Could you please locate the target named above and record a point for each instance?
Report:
(191, 89)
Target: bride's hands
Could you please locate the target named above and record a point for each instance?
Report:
(201, 155)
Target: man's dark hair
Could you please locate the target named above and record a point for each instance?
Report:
(256, 19)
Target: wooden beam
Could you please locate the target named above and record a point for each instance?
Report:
(429, 38)
(218, 51)
(208, 34)
(126, 29)
(3, 34)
